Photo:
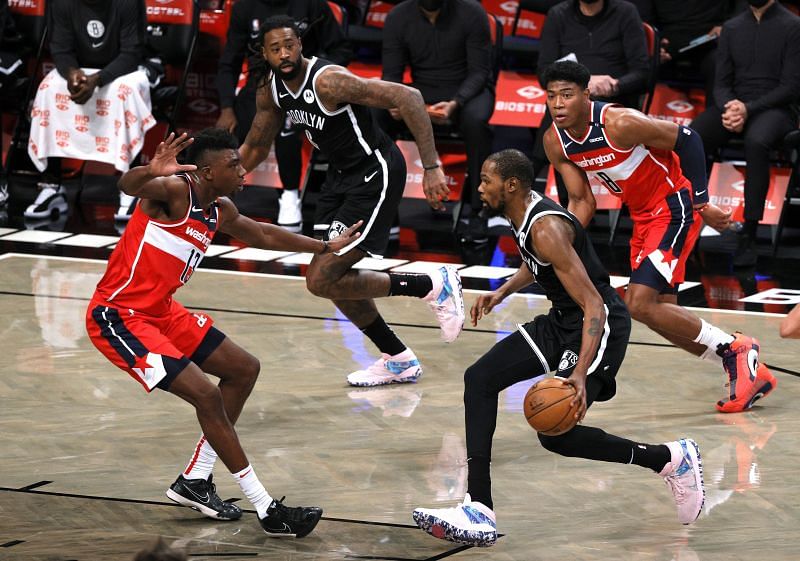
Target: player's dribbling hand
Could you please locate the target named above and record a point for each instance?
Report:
(435, 187)
(484, 305)
(716, 218)
(164, 162)
(346, 237)
(579, 383)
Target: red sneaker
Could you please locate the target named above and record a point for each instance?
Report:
(747, 379)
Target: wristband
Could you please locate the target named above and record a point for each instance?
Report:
(701, 208)
(429, 168)
(325, 247)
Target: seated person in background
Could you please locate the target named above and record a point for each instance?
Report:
(95, 105)
(756, 90)
(322, 37)
(447, 46)
(679, 23)
(607, 37)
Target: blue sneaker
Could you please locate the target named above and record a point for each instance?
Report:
(470, 523)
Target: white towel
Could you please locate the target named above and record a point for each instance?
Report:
(108, 128)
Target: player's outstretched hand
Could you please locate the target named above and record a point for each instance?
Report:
(346, 237)
(484, 305)
(715, 217)
(164, 162)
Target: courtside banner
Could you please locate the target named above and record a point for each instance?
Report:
(169, 11)
(529, 25)
(454, 164)
(726, 190)
(215, 22)
(27, 7)
(605, 200)
(376, 13)
(519, 101)
(678, 106)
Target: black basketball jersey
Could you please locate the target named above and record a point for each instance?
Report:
(345, 136)
(538, 208)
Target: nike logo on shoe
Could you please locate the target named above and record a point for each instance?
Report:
(202, 498)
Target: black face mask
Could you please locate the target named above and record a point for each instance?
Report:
(431, 5)
(757, 3)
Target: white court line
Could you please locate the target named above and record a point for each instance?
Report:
(296, 278)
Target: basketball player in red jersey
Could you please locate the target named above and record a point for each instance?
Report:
(657, 168)
(135, 323)
(365, 181)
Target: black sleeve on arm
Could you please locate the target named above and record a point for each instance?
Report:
(689, 148)
(130, 43)
(479, 47)
(724, 73)
(62, 40)
(787, 92)
(230, 62)
(333, 45)
(549, 49)
(635, 44)
(393, 51)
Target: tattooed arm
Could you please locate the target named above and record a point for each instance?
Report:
(552, 238)
(266, 124)
(337, 86)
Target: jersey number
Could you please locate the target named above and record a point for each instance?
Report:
(610, 184)
(194, 259)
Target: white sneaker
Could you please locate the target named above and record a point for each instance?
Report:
(395, 369)
(51, 201)
(684, 476)
(290, 215)
(3, 192)
(127, 204)
(471, 523)
(447, 302)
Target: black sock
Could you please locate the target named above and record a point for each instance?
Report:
(404, 284)
(383, 337)
(653, 456)
(479, 480)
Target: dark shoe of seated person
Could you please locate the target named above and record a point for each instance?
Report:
(746, 254)
(476, 230)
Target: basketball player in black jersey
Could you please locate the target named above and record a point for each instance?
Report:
(365, 181)
(582, 339)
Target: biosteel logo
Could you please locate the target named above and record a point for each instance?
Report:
(530, 92)
(680, 105)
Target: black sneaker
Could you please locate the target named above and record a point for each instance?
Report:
(201, 495)
(290, 522)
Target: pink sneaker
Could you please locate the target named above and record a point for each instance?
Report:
(447, 302)
(397, 369)
(684, 476)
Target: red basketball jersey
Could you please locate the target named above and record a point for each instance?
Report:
(641, 176)
(153, 259)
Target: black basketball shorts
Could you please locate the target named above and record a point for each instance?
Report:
(370, 192)
(555, 339)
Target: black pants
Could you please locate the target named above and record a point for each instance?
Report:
(472, 123)
(288, 142)
(762, 132)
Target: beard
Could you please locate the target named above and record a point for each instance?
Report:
(288, 74)
(489, 212)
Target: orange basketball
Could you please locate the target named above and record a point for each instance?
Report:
(547, 407)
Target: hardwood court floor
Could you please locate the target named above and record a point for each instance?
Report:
(86, 455)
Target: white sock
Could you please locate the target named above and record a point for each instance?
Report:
(712, 337)
(253, 490)
(711, 355)
(202, 462)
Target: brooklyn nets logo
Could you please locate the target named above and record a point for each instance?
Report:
(336, 230)
(568, 360)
